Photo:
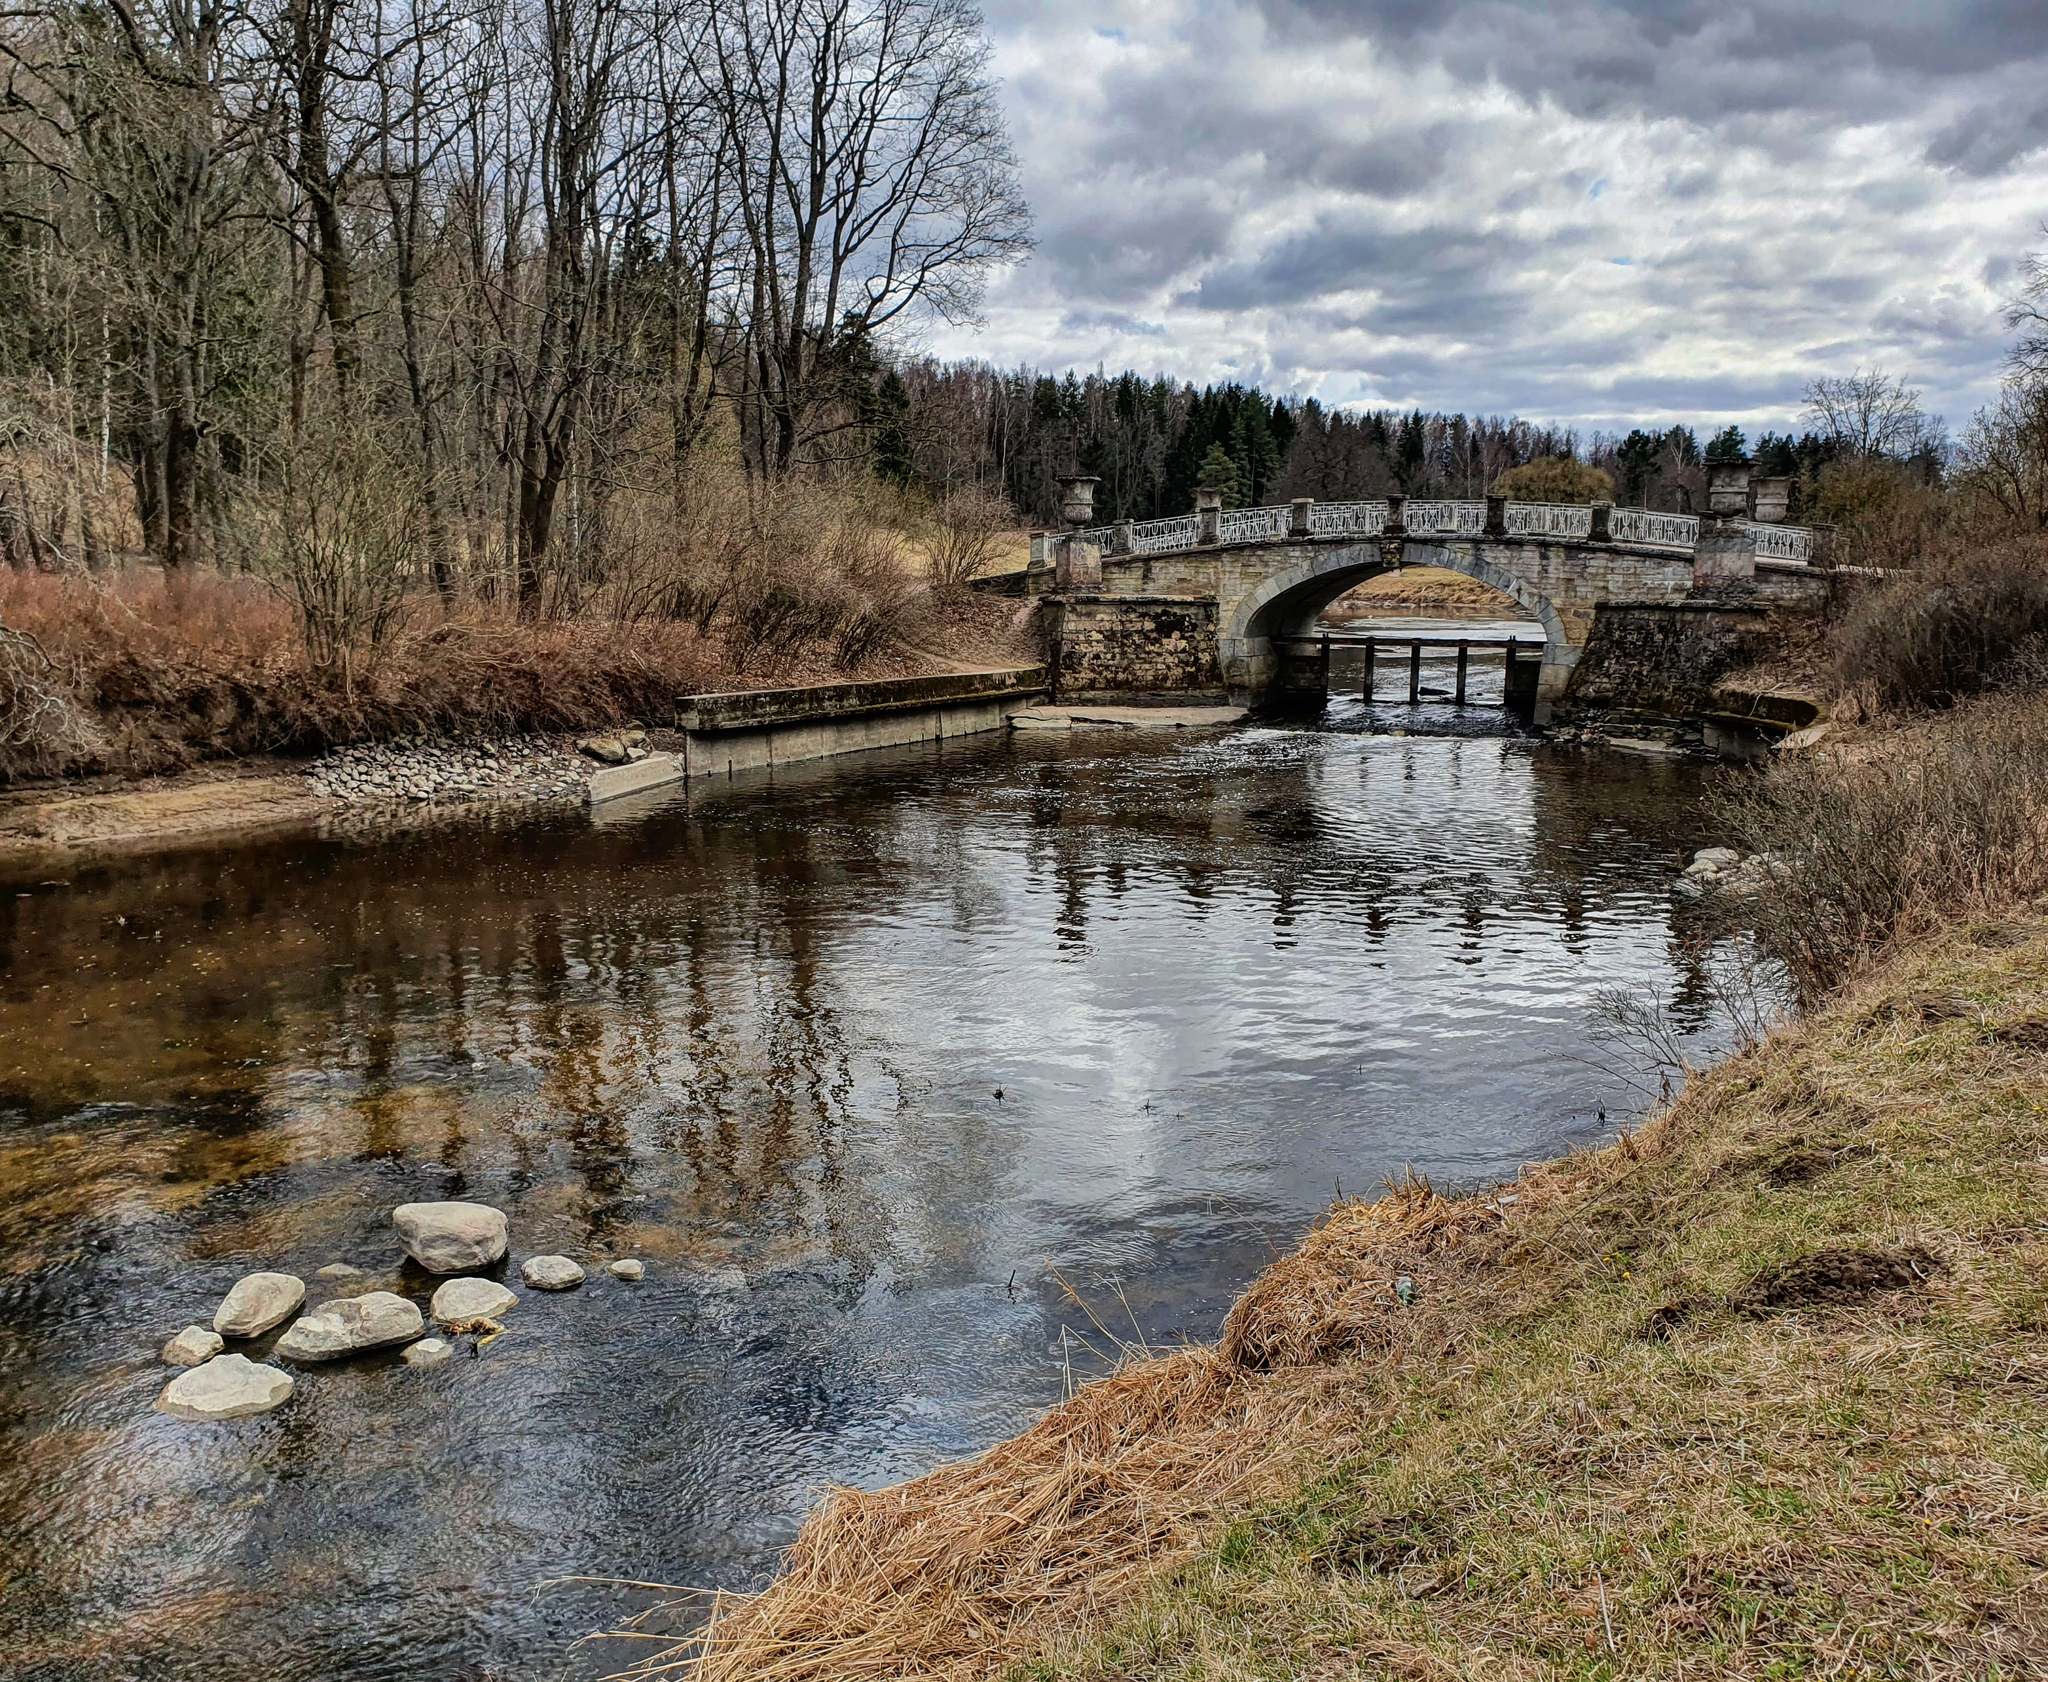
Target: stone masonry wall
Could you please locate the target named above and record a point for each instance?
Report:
(1664, 661)
(1124, 644)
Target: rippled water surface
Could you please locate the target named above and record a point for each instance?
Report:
(854, 1059)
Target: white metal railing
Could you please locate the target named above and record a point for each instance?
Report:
(1347, 519)
(1253, 525)
(1637, 527)
(1548, 519)
(1784, 543)
(1654, 531)
(1445, 519)
(1153, 537)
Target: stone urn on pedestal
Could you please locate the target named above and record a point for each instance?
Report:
(1080, 563)
(1725, 550)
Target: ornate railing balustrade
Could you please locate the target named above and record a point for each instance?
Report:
(1446, 519)
(1653, 531)
(1638, 528)
(1253, 525)
(1156, 537)
(1347, 519)
(1548, 519)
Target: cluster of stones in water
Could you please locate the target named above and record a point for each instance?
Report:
(445, 1238)
(1724, 870)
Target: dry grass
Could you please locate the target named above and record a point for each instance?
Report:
(932, 1577)
(1892, 838)
(1752, 1393)
(1972, 607)
(127, 677)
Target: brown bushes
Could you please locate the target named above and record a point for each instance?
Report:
(123, 676)
(1896, 837)
(337, 634)
(1971, 612)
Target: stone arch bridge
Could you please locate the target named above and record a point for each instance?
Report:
(1218, 600)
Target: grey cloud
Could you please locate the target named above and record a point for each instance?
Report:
(1429, 242)
(1094, 323)
(1985, 142)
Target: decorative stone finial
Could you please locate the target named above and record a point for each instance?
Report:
(1728, 487)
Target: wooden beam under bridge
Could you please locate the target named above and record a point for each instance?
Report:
(1510, 649)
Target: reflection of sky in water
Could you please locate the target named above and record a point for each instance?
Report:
(755, 1035)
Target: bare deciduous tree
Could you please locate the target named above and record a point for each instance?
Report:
(874, 177)
(1870, 413)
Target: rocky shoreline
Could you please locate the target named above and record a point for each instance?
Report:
(416, 768)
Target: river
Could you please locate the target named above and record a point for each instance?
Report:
(872, 1064)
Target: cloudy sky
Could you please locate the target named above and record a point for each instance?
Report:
(1599, 213)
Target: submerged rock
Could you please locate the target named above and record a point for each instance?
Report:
(627, 1269)
(226, 1387)
(429, 1352)
(258, 1302)
(471, 1299)
(350, 1324)
(192, 1346)
(1712, 861)
(338, 1270)
(451, 1237)
(551, 1273)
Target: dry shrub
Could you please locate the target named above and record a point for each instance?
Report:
(1953, 626)
(346, 539)
(1883, 513)
(806, 570)
(61, 505)
(1878, 843)
(968, 527)
(1555, 479)
(43, 729)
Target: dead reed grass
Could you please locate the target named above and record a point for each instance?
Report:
(1676, 1407)
(119, 675)
(930, 1577)
(1132, 1473)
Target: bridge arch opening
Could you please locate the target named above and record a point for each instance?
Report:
(1423, 592)
(1289, 603)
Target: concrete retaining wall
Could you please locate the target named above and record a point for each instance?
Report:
(752, 730)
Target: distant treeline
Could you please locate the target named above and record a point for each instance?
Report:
(1151, 441)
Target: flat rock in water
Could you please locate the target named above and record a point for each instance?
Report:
(338, 1270)
(258, 1302)
(429, 1352)
(192, 1346)
(551, 1273)
(350, 1324)
(451, 1237)
(226, 1387)
(627, 1270)
(471, 1299)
